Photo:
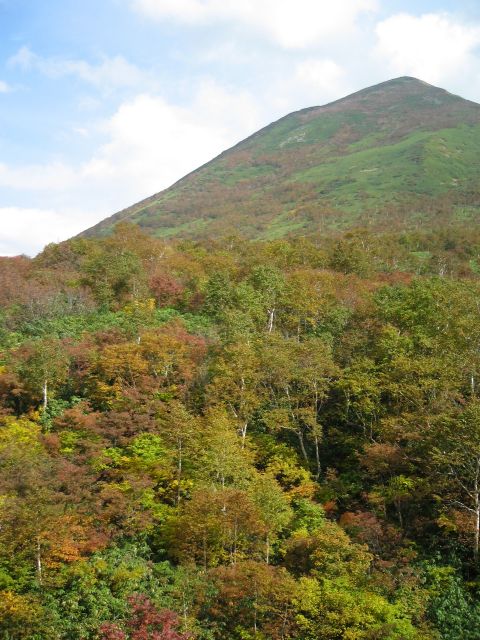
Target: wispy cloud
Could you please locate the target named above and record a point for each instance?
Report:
(150, 144)
(110, 73)
(31, 228)
(292, 25)
(433, 46)
(321, 76)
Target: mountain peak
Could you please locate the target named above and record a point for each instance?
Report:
(405, 80)
(389, 154)
(407, 89)
(405, 83)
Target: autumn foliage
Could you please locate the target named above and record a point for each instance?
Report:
(228, 441)
(145, 623)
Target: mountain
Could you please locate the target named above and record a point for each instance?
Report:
(402, 153)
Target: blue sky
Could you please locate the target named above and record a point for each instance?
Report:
(105, 102)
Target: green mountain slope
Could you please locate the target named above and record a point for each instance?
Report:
(401, 153)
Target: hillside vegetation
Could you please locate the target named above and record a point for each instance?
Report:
(400, 155)
(241, 441)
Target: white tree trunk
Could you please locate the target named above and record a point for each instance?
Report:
(45, 395)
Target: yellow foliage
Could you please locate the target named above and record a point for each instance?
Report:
(19, 432)
(140, 306)
(17, 609)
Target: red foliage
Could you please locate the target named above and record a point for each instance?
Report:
(363, 527)
(166, 289)
(111, 631)
(14, 284)
(146, 622)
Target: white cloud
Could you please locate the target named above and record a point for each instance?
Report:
(40, 177)
(27, 230)
(184, 10)
(322, 76)
(4, 87)
(151, 143)
(23, 59)
(433, 47)
(109, 73)
(290, 23)
(309, 82)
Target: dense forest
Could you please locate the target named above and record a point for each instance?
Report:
(237, 440)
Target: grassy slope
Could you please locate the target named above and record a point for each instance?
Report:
(397, 153)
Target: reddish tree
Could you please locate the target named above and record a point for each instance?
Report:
(146, 622)
(167, 290)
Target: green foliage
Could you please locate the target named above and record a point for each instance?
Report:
(329, 610)
(399, 154)
(453, 610)
(269, 440)
(309, 517)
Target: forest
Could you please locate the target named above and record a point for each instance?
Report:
(241, 440)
